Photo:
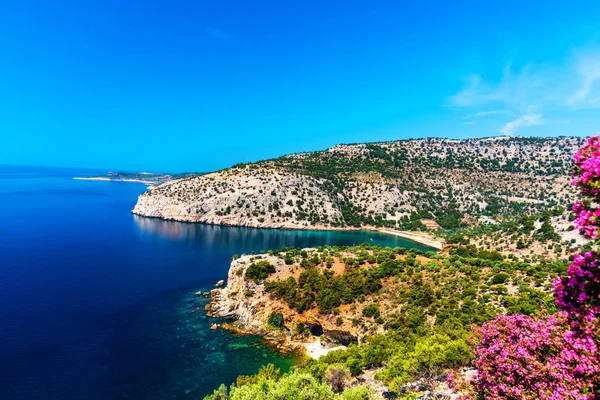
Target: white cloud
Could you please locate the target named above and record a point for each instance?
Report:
(482, 114)
(521, 122)
(493, 112)
(587, 65)
(470, 94)
(524, 94)
(532, 86)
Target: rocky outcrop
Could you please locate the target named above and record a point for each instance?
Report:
(243, 301)
(248, 306)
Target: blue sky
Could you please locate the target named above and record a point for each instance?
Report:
(199, 85)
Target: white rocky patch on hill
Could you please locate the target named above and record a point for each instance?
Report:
(242, 197)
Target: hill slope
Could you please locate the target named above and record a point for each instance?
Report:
(389, 184)
(405, 315)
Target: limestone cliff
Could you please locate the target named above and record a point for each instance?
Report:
(243, 300)
(260, 198)
(249, 306)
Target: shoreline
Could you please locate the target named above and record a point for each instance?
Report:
(104, 179)
(417, 237)
(315, 349)
(312, 349)
(280, 343)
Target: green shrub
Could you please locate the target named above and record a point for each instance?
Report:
(259, 271)
(275, 320)
(295, 386)
(371, 310)
(358, 393)
(355, 366)
(500, 278)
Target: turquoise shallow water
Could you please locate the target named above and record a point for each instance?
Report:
(99, 304)
(193, 358)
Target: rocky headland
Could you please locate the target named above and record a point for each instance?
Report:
(406, 186)
(246, 306)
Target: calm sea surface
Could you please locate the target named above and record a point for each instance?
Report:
(96, 303)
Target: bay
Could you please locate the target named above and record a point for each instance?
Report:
(96, 303)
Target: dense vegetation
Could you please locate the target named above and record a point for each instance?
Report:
(428, 283)
(269, 384)
(425, 303)
(530, 238)
(259, 271)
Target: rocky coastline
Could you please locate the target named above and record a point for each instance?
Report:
(152, 205)
(245, 307)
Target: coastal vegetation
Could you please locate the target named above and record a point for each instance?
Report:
(409, 313)
(547, 235)
(499, 326)
(269, 384)
(259, 271)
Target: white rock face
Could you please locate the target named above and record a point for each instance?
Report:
(247, 302)
(242, 299)
(260, 198)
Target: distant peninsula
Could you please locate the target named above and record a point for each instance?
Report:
(147, 178)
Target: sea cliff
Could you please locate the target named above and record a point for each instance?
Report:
(246, 306)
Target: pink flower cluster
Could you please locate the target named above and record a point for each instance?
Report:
(555, 356)
(587, 167)
(578, 293)
(587, 179)
(586, 220)
(519, 357)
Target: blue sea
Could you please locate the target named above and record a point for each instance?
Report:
(96, 303)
